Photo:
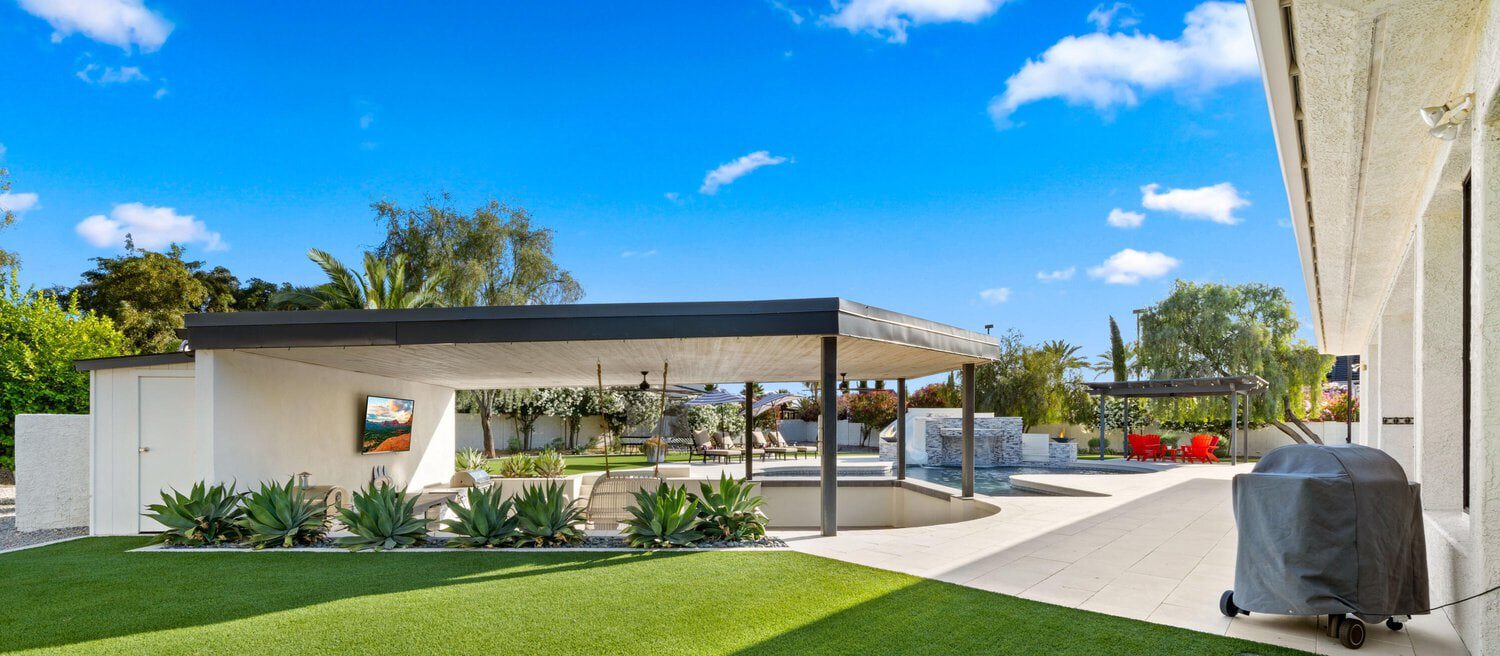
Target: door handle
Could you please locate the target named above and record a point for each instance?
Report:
(145, 449)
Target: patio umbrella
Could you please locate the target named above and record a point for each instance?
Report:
(716, 397)
(771, 401)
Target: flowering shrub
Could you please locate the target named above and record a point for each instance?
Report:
(1338, 406)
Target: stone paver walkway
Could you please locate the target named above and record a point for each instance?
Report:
(1159, 547)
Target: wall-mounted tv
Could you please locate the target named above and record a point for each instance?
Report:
(387, 425)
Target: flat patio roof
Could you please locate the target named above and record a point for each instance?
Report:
(559, 345)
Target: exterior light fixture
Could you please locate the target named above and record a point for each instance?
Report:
(644, 385)
(1445, 120)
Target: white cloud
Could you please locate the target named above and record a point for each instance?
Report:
(674, 198)
(18, 202)
(160, 93)
(891, 18)
(1215, 203)
(1103, 17)
(1057, 276)
(728, 172)
(633, 254)
(150, 227)
(1131, 266)
(1125, 219)
(102, 75)
(366, 120)
(120, 23)
(791, 13)
(1107, 70)
(995, 295)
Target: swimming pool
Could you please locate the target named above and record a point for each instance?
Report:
(995, 481)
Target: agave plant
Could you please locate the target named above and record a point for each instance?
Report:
(470, 459)
(516, 466)
(283, 515)
(729, 512)
(486, 521)
(549, 464)
(382, 518)
(205, 515)
(545, 517)
(664, 517)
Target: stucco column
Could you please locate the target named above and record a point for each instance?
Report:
(1482, 616)
(828, 438)
(1396, 389)
(1369, 392)
(1437, 335)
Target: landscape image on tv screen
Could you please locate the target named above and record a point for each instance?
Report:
(387, 425)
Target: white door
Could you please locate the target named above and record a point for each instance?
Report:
(168, 446)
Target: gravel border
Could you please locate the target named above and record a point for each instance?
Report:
(610, 544)
(11, 539)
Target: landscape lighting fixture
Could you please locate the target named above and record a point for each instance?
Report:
(1444, 120)
(644, 385)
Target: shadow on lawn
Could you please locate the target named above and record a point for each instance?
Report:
(93, 589)
(924, 618)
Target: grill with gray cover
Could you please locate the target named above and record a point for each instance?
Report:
(1329, 530)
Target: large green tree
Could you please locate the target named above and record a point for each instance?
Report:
(7, 217)
(146, 293)
(1036, 383)
(1205, 330)
(493, 255)
(39, 340)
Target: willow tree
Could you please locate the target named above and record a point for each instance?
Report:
(1206, 330)
(494, 255)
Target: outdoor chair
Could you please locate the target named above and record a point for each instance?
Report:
(1143, 447)
(765, 443)
(780, 440)
(1202, 449)
(703, 445)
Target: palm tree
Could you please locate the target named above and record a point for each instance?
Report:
(383, 286)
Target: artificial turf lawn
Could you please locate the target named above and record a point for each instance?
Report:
(91, 596)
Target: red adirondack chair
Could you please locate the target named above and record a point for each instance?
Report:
(1144, 446)
(1202, 449)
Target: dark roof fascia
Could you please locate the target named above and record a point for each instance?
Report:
(579, 322)
(120, 362)
(1179, 387)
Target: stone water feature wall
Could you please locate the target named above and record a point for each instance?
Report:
(997, 441)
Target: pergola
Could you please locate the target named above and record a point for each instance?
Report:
(611, 344)
(1230, 386)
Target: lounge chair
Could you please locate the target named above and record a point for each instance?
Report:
(780, 440)
(765, 443)
(703, 442)
(727, 449)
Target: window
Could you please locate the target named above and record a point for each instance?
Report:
(1468, 337)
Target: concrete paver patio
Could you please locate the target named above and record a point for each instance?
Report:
(1158, 547)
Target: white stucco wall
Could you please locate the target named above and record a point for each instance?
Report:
(52, 471)
(269, 419)
(502, 429)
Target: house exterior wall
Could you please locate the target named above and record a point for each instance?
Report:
(1463, 546)
(268, 419)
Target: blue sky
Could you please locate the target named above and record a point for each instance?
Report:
(936, 157)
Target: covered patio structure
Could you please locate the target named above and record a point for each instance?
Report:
(1233, 387)
(584, 345)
